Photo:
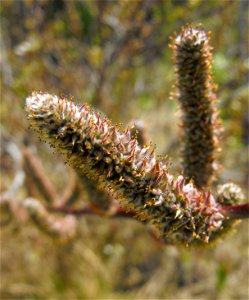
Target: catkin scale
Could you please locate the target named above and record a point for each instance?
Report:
(134, 175)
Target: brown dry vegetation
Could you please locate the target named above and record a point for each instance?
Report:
(113, 55)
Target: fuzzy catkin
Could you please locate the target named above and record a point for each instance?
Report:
(134, 175)
(192, 59)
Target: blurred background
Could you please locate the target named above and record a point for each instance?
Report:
(113, 55)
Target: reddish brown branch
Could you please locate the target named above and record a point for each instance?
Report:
(92, 210)
(240, 211)
(36, 169)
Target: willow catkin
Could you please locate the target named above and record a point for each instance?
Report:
(196, 94)
(135, 176)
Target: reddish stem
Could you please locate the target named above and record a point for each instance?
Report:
(92, 210)
(240, 211)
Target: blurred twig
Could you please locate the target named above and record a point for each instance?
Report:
(240, 211)
(12, 149)
(92, 210)
(58, 227)
(37, 173)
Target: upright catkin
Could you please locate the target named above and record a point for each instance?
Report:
(196, 94)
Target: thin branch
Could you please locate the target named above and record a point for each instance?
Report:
(92, 210)
(240, 211)
(35, 167)
(62, 227)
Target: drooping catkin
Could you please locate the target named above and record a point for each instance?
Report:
(134, 175)
(196, 93)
